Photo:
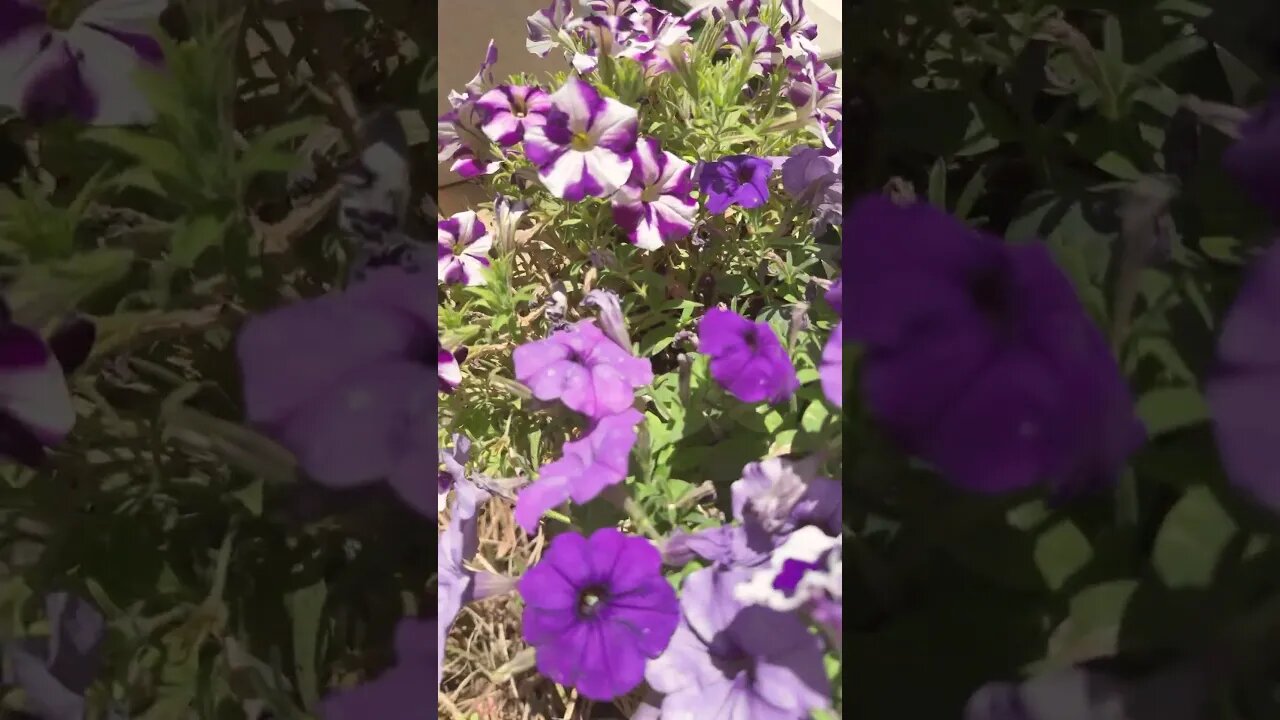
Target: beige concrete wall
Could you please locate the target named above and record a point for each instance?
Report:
(465, 29)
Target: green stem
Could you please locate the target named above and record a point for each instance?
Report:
(641, 518)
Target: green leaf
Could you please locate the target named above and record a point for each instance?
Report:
(1092, 627)
(192, 237)
(1167, 409)
(1060, 552)
(937, 192)
(306, 609)
(1190, 544)
(159, 155)
(969, 196)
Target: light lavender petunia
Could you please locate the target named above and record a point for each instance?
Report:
(399, 693)
(35, 403)
(342, 382)
(812, 176)
(453, 467)
(583, 368)
(776, 496)
(463, 244)
(656, 206)
(724, 545)
(831, 371)
(86, 71)
(509, 110)
(585, 147)
(586, 467)
(727, 661)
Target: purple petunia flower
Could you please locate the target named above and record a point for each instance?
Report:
(54, 672)
(656, 206)
(463, 243)
(586, 467)
(798, 31)
(741, 180)
(86, 71)
(35, 404)
(831, 371)
(582, 367)
(660, 41)
(754, 37)
(342, 382)
(584, 149)
(509, 110)
(459, 138)
(835, 296)
(728, 661)
(399, 693)
(979, 356)
(812, 176)
(596, 609)
(747, 358)
(1254, 159)
(725, 545)
(816, 95)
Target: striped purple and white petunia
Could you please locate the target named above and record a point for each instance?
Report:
(660, 41)
(463, 243)
(86, 71)
(584, 149)
(656, 205)
(509, 110)
(448, 370)
(35, 403)
(754, 37)
(814, 92)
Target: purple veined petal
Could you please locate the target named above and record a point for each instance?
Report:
(532, 358)
(362, 429)
(649, 162)
(24, 35)
(33, 389)
(448, 369)
(568, 177)
(471, 269)
(1242, 405)
(545, 24)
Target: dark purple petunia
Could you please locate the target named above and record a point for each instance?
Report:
(85, 72)
(584, 369)
(741, 180)
(747, 358)
(1254, 159)
(343, 382)
(979, 356)
(509, 110)
(727, 661)
(586, 467)
(399, 693)
(597, 609)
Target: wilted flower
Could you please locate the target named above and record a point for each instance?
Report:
(509, 110)
(747, 358)
(815, 92)
(741, 180)
(459, 138)
(55, 672)
(660, 42)
(87, 71)
(727, 661)
(463, 244)
(584, 369)
(656, 205)
(831, 371)
(979, 356)
(342, 382)
(725, 545)
(399, 693)
(458, 543)
(596, 609)
(586, 467)
(812, 176)
(612, 323)
(776, 496)
(584, 149)
(35, 403)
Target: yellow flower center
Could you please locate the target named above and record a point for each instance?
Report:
(580, 141)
